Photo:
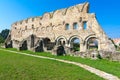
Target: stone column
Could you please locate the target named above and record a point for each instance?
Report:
(81, 47)
(85, 47)
(99, 45)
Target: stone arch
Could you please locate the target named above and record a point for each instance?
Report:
(9, 45)
(61, 40)
(39, 46)
(77, 37)
(23, 45)
(8, 41)
(46, 41)
(92, 42)
(89, 36)
(72, 43)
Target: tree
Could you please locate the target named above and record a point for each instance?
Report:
(4, 33)
(1, 39)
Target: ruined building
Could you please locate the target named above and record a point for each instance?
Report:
(61, 27)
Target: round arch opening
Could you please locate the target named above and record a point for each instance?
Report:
(46, 41)
(61, 41)
(92, 43)
(75, 44)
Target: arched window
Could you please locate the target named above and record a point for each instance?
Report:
(84, 25)
(67, 27)
(75, 26)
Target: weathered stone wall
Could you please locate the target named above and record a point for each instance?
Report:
(53, 26)
(113, 56)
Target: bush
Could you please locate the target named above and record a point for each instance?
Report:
(1, 39)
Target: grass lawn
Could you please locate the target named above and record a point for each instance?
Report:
(20, 67)
(111, 67)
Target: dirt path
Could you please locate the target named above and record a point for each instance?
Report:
(100, 73)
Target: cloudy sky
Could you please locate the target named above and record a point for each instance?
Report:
(107, 12)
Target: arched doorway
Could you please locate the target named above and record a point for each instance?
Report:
(61, 42)
(39, 48)
(9, 45)
(74, 43)
(24, 45)
(46, 41)
(92, 43)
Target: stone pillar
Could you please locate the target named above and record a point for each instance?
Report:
(99, 45)
(85, 47)
(81, 47)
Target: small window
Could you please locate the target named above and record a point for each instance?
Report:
(75, 26)
(67, 27)
(84, 25)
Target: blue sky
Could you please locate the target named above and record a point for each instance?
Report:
(107, 12)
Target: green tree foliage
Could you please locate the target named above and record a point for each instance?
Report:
(76, 47)
(3, 35)
(1, 39)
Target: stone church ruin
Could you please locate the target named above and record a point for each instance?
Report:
(60, 28)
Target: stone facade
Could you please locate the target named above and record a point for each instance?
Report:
(56, 28)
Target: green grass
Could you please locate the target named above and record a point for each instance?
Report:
(112, 67)
(20, 67)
